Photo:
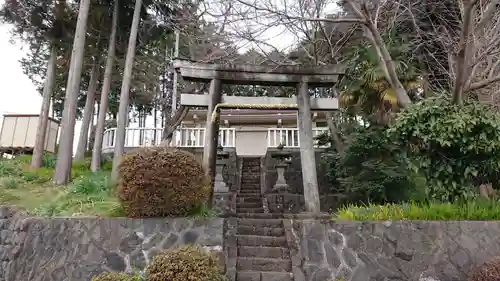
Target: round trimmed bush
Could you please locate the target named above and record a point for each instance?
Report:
(186, 263)
(161, 181)
(488, 271)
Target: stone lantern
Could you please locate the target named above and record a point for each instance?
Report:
(284, 160)
(219, 185)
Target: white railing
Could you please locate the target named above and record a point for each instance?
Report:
(288, 137)
(183, 137)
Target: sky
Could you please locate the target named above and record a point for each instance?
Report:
(17, 93)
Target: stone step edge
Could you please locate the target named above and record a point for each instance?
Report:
(263, 248)
(282, 237)
(256, 272)
(265, 259)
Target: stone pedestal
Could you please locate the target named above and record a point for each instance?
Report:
(281, 185)
(219, 185)
(283, 162)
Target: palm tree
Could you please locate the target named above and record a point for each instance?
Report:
(364, 88)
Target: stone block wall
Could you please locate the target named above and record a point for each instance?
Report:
(75, 249)
(396, 251)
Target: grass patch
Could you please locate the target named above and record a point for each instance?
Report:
(89, 194)
(34, 192)
(472, 210)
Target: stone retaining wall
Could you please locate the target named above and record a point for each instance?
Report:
(75, 249)
(396, 251)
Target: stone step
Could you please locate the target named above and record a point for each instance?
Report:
(256, 183)
(249, 204)
(263, 264)
(264, 252)
(252, 199)
(272, 223)
(260, 230)
(250, 210)
(255, 161)
(251, 191)
(250, 182)
(256, 241)
(247, 275)
(248, 194)
(261, 216)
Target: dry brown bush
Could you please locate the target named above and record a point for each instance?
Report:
(189, 263)
(161, 181)
(488, 271)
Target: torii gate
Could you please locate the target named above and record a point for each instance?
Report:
(285, 75)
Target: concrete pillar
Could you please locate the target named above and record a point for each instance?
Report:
(307, 158)
(212, 130)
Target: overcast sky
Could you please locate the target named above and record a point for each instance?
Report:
(17, 93)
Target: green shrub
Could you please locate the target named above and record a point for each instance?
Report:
(473, 210)
(373, 169)
(92, 184)
(7, 168)
(44, 175)
(49, 161)
(30, 176)
(107, 165)
(161, 182)
(456, 147)
(80, 168)
(370, 168)
(23, 158)
(488, 271)
(186, 263)
(202, 211)
(11, 183)
(117, 276)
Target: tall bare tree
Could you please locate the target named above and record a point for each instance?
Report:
(41, 131)
(88, 111)
(106, 85)
(65, 153)
(125, 91)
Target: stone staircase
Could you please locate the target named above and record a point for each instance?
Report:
(263, 254)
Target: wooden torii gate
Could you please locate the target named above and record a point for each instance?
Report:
(301, 77)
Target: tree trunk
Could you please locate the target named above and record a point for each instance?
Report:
(65, 153)
(307, 157)
(386, 62)
(334, 133)
(155, 118)
(41, 131)
(103, 107)
(125, 91)
(88, 112)
(172, 124)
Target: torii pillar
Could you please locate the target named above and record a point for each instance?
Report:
(307, 157)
